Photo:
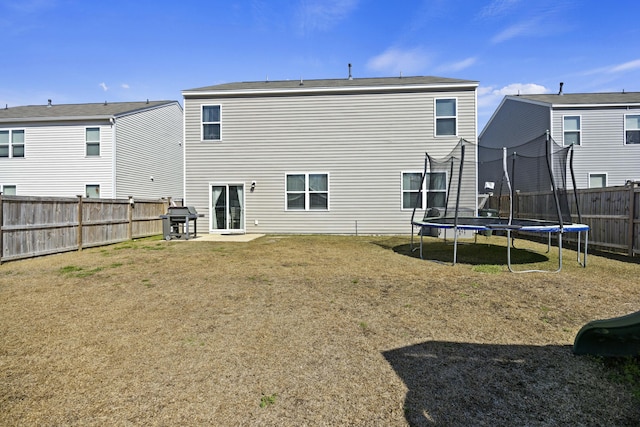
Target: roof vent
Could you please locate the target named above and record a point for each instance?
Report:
(105, 102)
(350, 76)
(48, 103)
(560, 91)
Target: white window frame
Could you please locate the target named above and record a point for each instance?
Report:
(307, 192)
(203, 123)
(606, 178)
(86, 192)
(10, 145)
(424, 192)
(625, 127)
(88, 143)
(3, 186)
(436, 117)
(578, 131)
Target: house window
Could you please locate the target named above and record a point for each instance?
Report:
(92, 191)
(11, 143)
(632, 129)
(430, 194)
(571, 130)
(211, 122)
(446, 117)
(8, 190)
(597, 180)
(92, 138)
(307, 191)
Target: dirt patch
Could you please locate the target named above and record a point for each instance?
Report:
(307, 330)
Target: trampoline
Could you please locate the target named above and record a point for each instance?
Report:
(450, 196)
(491, 224)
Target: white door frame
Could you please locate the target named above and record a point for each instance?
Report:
(229, 212)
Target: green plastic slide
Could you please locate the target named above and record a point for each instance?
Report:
(619, 336)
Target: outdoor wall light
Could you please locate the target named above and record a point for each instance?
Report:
(253, 185)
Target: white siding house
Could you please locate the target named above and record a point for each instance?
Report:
(603, 127)
(318, 156)
(108, 150)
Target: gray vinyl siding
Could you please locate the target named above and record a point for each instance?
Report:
(363, 141)
(55, 161)
(602, 148)
(149, 144)
(515, 123)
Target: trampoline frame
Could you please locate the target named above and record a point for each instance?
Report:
(483, 224)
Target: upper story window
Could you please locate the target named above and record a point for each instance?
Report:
(12, 143)
(571, 128)
(210, 122)
(446, 117)
(92, 139)
(430, 194)
(307, 191)
(632, 129)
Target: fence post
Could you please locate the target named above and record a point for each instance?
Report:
(130, 225)
(632, 215)
(79, 236)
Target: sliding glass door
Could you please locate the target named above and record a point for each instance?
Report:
(227, 208)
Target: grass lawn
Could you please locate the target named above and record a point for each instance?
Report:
(310, 330)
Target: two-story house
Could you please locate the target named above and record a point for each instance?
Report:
(107, 150)
(604, 129)
(320, 156)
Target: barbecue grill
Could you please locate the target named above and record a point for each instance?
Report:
(175, 223)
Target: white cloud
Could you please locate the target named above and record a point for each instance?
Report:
(498, 8)
(515, 30)
(490, 95)
(614, 69)
(627, 66)
(323, 14)
(104, 86)
(124, 86)
(460, 65)
(396, 61)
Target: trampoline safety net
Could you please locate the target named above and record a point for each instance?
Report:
(540, 166)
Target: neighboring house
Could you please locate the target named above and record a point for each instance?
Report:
(603, 127)
(320, 156)
(107, 150)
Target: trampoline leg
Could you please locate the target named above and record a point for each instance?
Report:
(583, 262)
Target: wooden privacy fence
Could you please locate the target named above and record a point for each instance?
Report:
(612, 214)
(34, 226)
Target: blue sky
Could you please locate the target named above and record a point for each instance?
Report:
(76, 51)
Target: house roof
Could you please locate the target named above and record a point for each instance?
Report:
(55, 112)
(582, 99)
(329, 85)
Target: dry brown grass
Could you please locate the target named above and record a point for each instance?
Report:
(305, 330)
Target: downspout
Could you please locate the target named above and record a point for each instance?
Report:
(114, 156)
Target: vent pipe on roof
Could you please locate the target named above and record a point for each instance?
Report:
(560, 91)
(350, 76)
(48, 103)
